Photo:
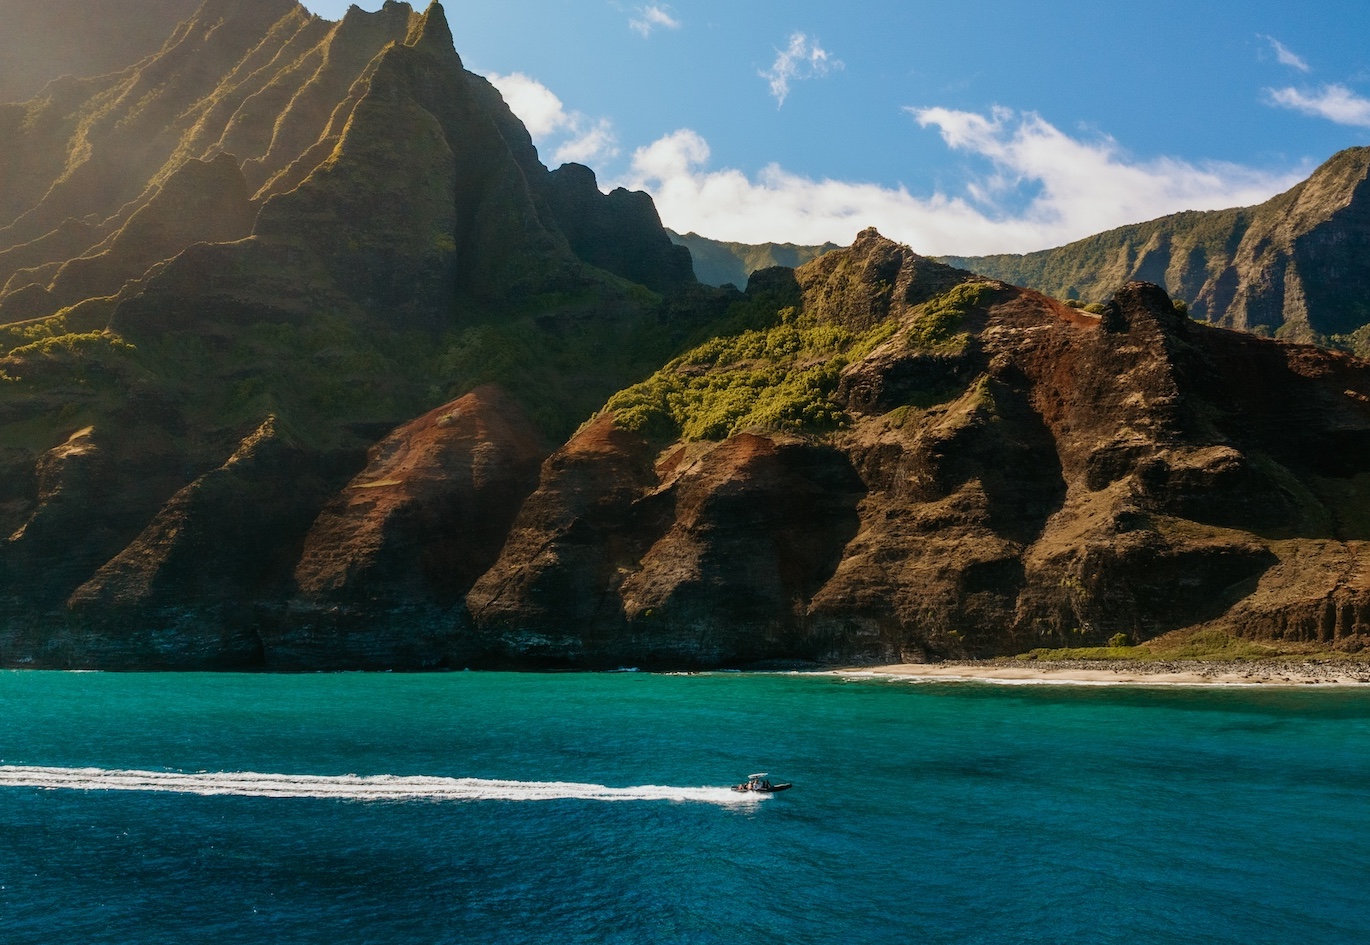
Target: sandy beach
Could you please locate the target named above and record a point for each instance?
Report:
(1133, 673)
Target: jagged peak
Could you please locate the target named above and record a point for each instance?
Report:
(431, 32)
(871, 246)
(1137, 303)
(356, 17)
(1354, 157)
(873, 279)
(870, 239)
(577, 173)
(359, 29)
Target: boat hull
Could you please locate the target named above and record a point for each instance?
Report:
(770, 789)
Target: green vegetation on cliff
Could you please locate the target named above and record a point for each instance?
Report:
(780, 377)
(1179, 252)
(414, 249)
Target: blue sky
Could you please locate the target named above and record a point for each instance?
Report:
(957, 127)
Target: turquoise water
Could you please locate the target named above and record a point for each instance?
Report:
(923, 813)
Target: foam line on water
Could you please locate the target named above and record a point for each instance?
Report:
(355, 787)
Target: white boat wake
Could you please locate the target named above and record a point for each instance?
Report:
(355, 787)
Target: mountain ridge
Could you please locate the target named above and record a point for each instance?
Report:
(307, 361)
(204, 327)
(1293, 266)
(720, 263)
(1249, 268)
(1011, 473)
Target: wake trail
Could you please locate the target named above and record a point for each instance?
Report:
(355, 787)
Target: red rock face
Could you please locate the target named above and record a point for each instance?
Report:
(388, 560)
(701, 558)
(573, 539)
(432, 507)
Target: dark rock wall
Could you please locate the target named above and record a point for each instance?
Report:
(620, 232)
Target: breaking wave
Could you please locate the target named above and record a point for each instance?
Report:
(355, 787)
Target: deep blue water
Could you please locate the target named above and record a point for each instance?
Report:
(923, 813)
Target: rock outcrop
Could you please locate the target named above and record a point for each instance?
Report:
(386, 565)
(620, 232)
(1042, 477)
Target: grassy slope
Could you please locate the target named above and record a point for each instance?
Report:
(776, 369)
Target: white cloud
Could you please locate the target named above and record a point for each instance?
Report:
(1078, 188)
(595, 141)
(651, 17)
(1286, 56)
(1040, 188)
(536, 105)
(573, 135)
(1333, 102)
(802, 59)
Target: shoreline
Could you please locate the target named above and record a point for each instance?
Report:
(1263, 673)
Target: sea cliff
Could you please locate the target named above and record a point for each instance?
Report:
(307, 361)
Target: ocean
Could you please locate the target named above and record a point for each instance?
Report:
(568, 808)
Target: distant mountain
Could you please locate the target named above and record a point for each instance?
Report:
(41, 40)
(1297, 266)
(718, 263)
